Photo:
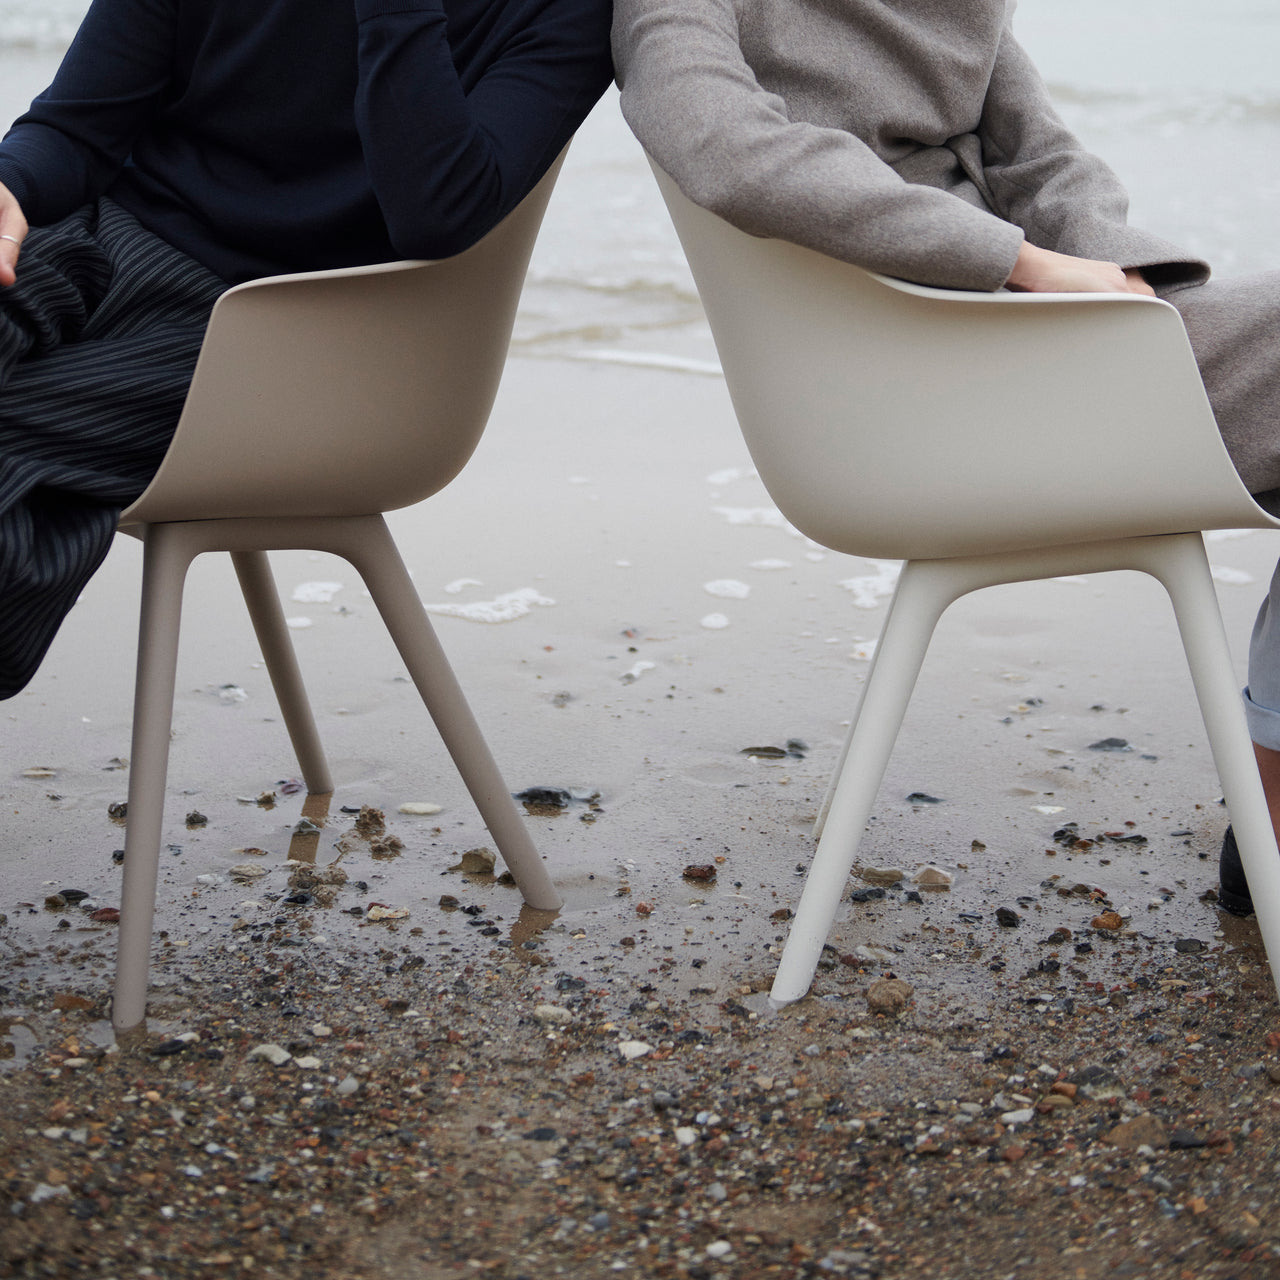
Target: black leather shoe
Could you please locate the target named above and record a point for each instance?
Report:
(1233, 888)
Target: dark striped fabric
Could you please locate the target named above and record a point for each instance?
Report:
(98, 340)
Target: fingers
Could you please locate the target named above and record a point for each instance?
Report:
(1137, 284)
(13, 231)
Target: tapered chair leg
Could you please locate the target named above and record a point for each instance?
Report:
(166, 558)
(374, 554)
(263, 602)
(1184, 570)
(924, 591)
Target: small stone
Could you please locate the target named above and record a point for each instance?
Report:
(380, 911)
(886, 876)
(246, 871)
(1145, 1130)
(553, 1014)
(719, 1249)
(1189, 946)
(932, 877)
(105, 915)
(685, 1136)
(68, 1002)
(1023, 1116)
(347, 1086)
(1110, 744)
(272, 1053)
(1098, 1084)
(420, 808)
(704, 872)
(1007, 918)
(309, 1063)
(197, 819)
(632, 1049)
(1185, 1140)
(476, 862)
(1108, 921)
(889, 996)
(716, 1191)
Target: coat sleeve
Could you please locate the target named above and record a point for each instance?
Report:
(1063, 197)
(70, 144)
(697, 108)
(449, 155)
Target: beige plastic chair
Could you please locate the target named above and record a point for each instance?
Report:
(983, 438)
(319, 402)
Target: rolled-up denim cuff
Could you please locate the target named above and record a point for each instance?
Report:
(1264, 724)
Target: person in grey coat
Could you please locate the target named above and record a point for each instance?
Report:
(916, 138)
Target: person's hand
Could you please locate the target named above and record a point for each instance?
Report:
(13, 231)
(1043, 271)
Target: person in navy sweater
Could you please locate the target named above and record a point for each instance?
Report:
(187, 145)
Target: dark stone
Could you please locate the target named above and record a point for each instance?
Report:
(541, 1135)
(1007, 918)
(1189, 946)
(167, 1048)
(1185, 1140)
(871, 894)
(922, 797)
(1110, 744)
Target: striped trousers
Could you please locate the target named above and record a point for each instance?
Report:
(98, 340)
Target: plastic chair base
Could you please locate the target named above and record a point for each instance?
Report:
(925, 590)
(366, 543)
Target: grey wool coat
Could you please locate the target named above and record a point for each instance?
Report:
(916, 138)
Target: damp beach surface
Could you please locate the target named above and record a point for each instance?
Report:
(1033, 1047)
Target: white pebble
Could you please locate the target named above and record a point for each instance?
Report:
(715, 622)
(273, 1053)
(719, 1249)
(685, 1136)
(632, 1049)
(347, 1086)
(420, 808)
(554, 1014)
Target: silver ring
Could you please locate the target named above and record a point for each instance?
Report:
(14, 239)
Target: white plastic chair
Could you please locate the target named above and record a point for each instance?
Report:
(319, 402)
(983, 438)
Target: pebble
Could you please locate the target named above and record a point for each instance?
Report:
(1007, 918)
(554, 1014)
(1145, 1130)
(275, 1054)
(347, 1086)
(1023, 1116)
(932, 877)
(476, 862)
(420, 808)
(685, 1136)
(632, 1049)
(887, 876)
(719, 1248)
(889, 996)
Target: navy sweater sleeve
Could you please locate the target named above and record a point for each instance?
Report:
(469, 143)
(71, 144)
(282, 135)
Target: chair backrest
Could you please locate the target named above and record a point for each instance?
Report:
(346, 392)
(891, 420)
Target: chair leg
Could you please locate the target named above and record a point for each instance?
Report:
(374, 554)
(166, 557)
(1184, 569)
(924, 591)
(263, 602)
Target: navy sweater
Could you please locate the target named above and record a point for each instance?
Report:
(265, 136)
